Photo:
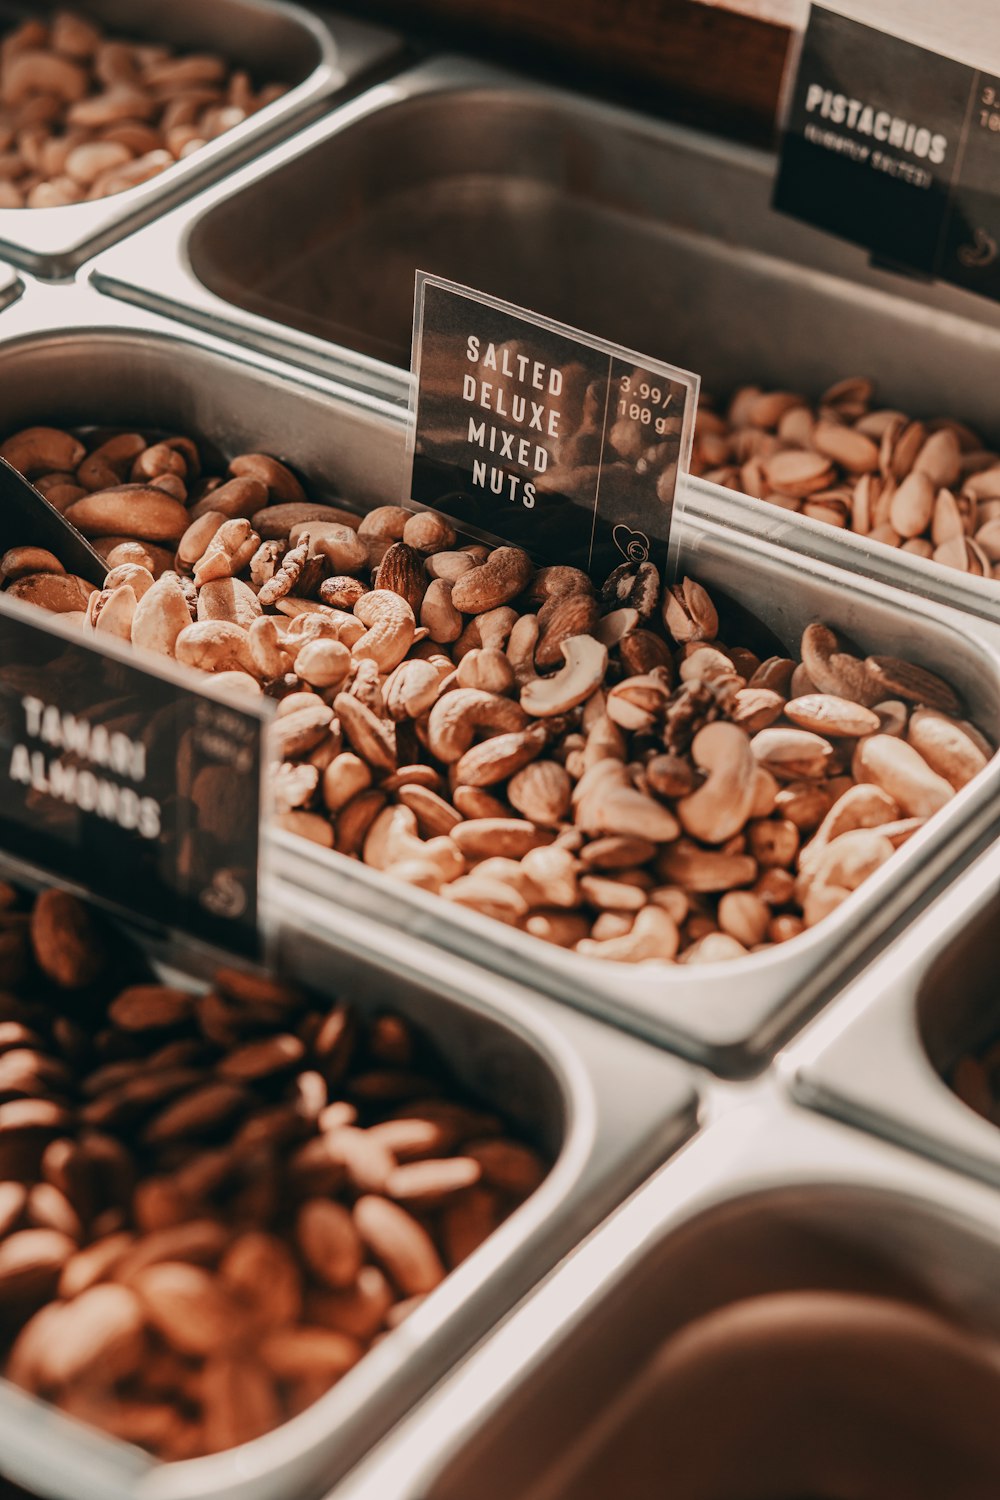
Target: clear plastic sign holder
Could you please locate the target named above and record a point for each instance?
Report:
(526, 432)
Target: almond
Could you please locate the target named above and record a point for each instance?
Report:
(402, 571)
(400, 1244)
(297, 1353)
(189, 1307)
(240, 1402)
(329, 1242)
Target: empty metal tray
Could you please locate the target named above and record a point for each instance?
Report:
(571, 1399)
(275, 41)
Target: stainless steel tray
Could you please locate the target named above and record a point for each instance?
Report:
(607, 1108)
(275, 40)
(647, 233)
(879, 1061)
(76, 361)
(766, 1200)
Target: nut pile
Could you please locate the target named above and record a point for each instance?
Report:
(212, 1204)
(595, 767)
(931, 488)
(84, 115)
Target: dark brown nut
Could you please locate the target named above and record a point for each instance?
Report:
(505, 574)
(402, 571)
(65, 940)
(329, 1242)
(150, 1006)
(136, 508)
(263, 1272)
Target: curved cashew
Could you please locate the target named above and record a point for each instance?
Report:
(271, 659)
(653, 935)
(586, 663)
(160, 616)
(521, 648)
(391, 627)
(489, 630)
(214, 646)
(834, 671)
(114, 616)
(861, 806)
(392, 838)
(437, 613)
(345, 776)
(42, 450)
(457, 716)
(852, 857)
(139, 580)
(719, 809)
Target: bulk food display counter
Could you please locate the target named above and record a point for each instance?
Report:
(595, 1087)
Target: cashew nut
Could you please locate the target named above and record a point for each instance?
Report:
(721, 806)
(214, 646)
(392, 838)
(115, 615)
(521, 648)
(438, 614)
(456, 717)
(160, 616)
(391, 627)
(586, 662)
(653, 935)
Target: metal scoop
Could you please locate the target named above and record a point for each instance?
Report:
(28, 520)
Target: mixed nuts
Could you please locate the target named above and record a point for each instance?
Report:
(596, 767)
(84, 115)
(213, 1203)
(930, 488)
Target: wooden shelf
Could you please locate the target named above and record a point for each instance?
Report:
(717, 63)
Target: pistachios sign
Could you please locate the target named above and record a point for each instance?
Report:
(528, 433)
(896, 148)
(120, 778)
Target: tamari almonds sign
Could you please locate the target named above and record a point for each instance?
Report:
(530, 433)
(123, 778)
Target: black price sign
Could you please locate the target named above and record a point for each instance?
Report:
(123, 778)
(895, 148)
(532, 434)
